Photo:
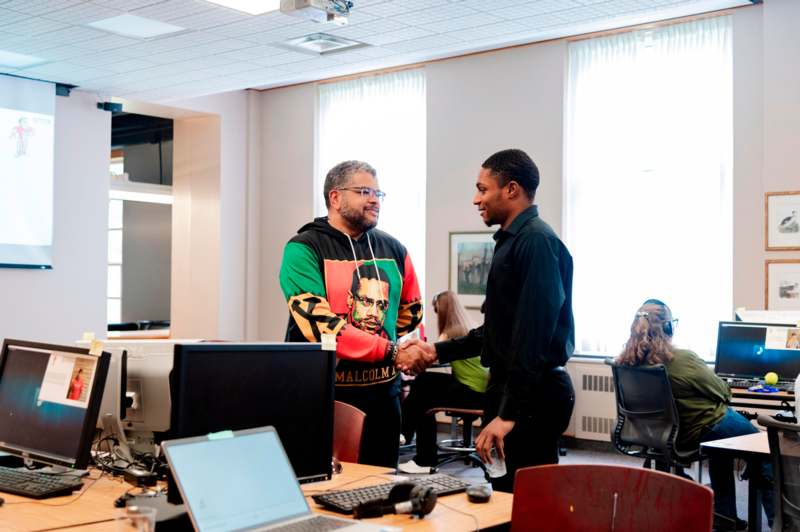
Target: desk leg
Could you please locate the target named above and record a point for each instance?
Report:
(753, 501)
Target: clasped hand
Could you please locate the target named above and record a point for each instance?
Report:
(414, 356)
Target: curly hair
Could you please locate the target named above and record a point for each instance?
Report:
(649, 342)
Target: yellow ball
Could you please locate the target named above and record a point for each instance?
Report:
(771, 378)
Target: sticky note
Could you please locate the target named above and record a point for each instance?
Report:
(88, 336)
(329, 342)
(96, 348)
(221, 435)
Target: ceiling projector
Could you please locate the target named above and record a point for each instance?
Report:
(335, 11)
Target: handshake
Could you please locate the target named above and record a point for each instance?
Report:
(414, 356)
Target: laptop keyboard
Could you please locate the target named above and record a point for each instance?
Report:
(315, 524)
(36, 485)
(345, 501)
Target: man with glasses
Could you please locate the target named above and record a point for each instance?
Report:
(347, 280)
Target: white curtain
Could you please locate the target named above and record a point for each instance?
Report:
(648, 160)
(380, 120)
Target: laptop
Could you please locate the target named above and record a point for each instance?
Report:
(242, 480)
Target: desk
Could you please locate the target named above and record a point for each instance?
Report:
(744, 400)
(94, 510)
(752, 447)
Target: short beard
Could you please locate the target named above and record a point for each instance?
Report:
(356, 219)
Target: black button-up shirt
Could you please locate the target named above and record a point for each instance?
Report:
(528, 327)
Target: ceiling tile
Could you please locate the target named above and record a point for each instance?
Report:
(39, 7)
(32, 26)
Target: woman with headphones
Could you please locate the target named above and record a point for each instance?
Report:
(702, 400)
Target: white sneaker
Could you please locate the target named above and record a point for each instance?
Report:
(412, 468)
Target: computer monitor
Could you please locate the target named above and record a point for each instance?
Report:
(114, 400)
(49, 400)
(227, 386)
(148, 365)
(748, 350)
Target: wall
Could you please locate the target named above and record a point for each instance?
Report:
(146, 259)
(478, 104)
(61, 304)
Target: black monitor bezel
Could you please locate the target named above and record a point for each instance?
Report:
(737, 323)
(81, 461)
(181, 351)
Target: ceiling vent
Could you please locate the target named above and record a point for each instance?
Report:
(322, 43)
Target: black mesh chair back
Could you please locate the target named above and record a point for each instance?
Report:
(784, 449)
(647, 418)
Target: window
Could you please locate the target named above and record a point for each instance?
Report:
(380, 120)
(648, 169)
(114, 301)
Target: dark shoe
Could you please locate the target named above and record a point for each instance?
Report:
(728, 524)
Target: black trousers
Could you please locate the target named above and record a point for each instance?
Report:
(380, 441)
(430, 390)
(534, 439)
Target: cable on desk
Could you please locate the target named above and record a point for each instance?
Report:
(86, 488)
(474, 519)
(65, 527)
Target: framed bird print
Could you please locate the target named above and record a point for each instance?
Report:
(782, 220)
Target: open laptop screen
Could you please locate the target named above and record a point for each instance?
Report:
(237, 481)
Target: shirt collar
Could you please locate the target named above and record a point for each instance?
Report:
(521, 219)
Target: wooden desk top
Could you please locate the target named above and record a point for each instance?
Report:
(752, 444)
(452, 512)
(92, 508)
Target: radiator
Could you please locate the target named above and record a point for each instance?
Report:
(595, 413)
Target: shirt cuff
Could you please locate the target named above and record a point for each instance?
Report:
(446, 351)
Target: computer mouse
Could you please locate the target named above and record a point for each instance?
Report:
(479, 494)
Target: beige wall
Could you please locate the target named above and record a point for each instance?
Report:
(478, 104)
(58, 305)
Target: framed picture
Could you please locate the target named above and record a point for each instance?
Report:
(470, 258)
(782, 215)
(782, 284)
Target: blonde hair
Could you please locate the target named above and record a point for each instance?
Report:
(451, 316)
(649, 342)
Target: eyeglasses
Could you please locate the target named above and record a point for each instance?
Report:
(366, 192)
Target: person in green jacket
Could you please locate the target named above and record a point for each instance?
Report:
(701, 398)
(465, 388)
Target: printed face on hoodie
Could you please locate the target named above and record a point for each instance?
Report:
(360, 211)
(368, 300)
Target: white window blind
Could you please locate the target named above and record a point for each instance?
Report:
(648, 161)
(380, 120)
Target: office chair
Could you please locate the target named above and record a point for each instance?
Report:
(608, 497)
(348, 426)
(452, 450)
(784, 449)
(647, 418)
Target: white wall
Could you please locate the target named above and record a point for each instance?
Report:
(59, 305)
(515, 98)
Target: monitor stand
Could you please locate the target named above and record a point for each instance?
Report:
(112, 429)
(61, 471)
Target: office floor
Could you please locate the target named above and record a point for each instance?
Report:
(589, 452)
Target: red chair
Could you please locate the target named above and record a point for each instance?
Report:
(348, 424)
(608, 497)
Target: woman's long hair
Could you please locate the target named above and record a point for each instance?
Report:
(651, 336)
(452, 319)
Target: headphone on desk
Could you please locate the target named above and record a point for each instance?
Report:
(404, 498)
(667, 327)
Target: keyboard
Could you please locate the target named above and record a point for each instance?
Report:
(319, 523)
(345, 501)
(37, 485)
(786, 386)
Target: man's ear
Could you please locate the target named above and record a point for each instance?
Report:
(513, 190)
(333, 199)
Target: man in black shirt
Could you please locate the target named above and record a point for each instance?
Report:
(528, 330)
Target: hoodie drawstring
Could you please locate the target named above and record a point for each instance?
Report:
(355, 257)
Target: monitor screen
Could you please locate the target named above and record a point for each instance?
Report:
(49, 401)
(753, 349)
(290, 386)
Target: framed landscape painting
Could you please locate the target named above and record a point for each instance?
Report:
(470, 259)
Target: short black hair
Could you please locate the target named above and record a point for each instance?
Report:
(368, 270)
(340, 175)
(514, 165)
